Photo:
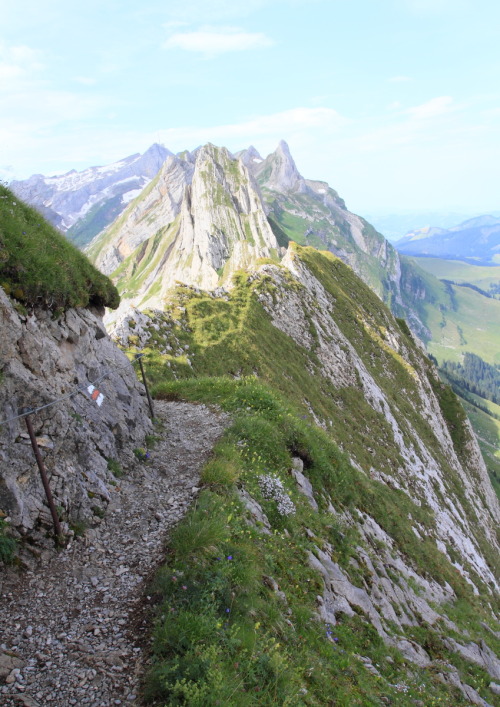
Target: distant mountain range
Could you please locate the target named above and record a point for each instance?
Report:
(395, 226)
(196, 217)
(476, 240)
(81, 204)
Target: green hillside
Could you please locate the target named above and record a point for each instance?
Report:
(39, 267)
(487, 430)
(459, 318)
(237, 621)
(482, 276)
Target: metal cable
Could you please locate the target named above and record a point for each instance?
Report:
(80, 389)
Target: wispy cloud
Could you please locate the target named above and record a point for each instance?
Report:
(271, 127)
(18, 64)
(431, 109)
(215, 41)
(85, 80)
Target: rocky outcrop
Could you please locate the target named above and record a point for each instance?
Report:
(321, 219)
(42, 359)
(158, 208)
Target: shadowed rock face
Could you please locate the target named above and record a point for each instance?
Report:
(44, 359)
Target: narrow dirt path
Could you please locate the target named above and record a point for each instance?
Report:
(68, 630)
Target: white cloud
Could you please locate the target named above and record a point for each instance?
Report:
(18, 65)
(431, 109)
(290, 124)
(85, 80)
(214, 41)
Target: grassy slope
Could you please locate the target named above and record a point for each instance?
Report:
(39, 267)
(473, 326)
(459, 319)
(222, 636)
(458, 271)
(487, 430)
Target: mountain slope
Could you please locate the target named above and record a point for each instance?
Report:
(407, 521)
(40, 268)
(312, 213)
(199, 221)
(81, 204)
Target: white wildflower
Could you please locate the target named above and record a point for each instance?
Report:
(272, 488)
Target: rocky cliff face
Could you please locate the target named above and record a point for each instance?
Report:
(200, 221)
(42, 359)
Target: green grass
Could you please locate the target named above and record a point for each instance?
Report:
(39, 267)
(458, 271)
(472, 326)
(218, 621)
(7, 543)
(222, 636)
(459, 319)
(487, 430)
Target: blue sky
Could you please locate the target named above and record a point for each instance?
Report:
(396, 103)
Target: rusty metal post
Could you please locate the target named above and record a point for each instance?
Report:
(45, 481)
(138, 357)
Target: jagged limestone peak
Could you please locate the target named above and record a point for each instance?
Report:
(250, 157)
(279, 171)
(159, 202)
(198, 224)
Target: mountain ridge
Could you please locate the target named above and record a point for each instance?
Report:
(476, 240)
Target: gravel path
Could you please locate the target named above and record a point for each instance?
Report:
(72, 630)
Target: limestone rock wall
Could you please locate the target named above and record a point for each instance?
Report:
(42, 359)
(420, 473)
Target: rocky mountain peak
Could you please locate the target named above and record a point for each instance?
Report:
(83, 203)
(250, 157)
(195, 223)
(279, 171)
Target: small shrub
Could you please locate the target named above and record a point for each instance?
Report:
(151, 441)
(7, 544)
(141, 454)
(78, 527)
(115, 468)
